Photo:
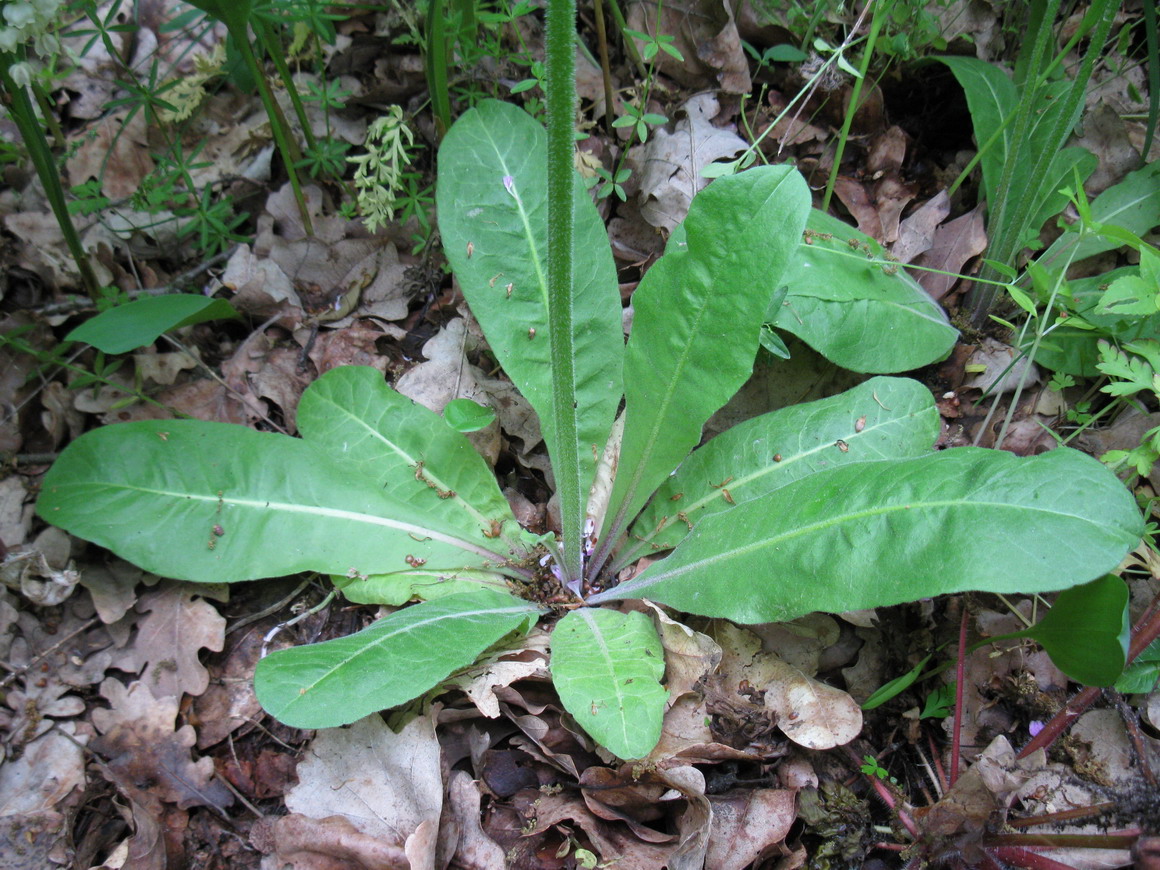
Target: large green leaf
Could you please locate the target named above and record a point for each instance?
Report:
(862, 316)
(215, 503)
(492, 200)
(698, 313)
(879, 533)
(607, 667)
(353, 416)
(1087, 631)
(136, 324)
(883, 418)
(397, 659)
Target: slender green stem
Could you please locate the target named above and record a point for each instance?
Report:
(629, 45)
(1153, 55)
(606, 74)
(24, 114)
(561, 99)
(435, 61)
(278, 126)
(881, 10)
(274, 50)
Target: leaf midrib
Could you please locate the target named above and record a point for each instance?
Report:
(291, 508)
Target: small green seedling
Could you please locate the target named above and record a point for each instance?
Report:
(871, 767)
(939, 703)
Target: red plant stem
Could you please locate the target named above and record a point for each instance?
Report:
(888, 799)
(1062, 841)
(960, 674)
(1027, 859)
(1063, 815)
(1143, 633)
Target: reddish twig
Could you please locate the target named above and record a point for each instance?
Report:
(960, 674)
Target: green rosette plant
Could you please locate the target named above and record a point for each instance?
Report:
(835, 505)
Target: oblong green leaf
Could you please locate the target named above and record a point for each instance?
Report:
(698, 314)
(396, 660)
(991, 98)
(607, 668)
(492, 200)
(878, 533)
(863, 316)
(139, 323)
(352, 415)
(883, 418)
(1087, 631)
(217, 503)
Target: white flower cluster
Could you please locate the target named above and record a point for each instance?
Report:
(380, 171)
(28, 21)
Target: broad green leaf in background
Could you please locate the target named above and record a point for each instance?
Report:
(397, 659)
(1061, 173)
(1133, 204)
(492, 200)
(1135, 294)
(879, 533)
(1073, 350)
(464, 415)
(698, 313)
(991, 98)
(217, 503)
(1087, 631)
(353, 416)
(607, 666)
(883, 418)
(139, 323)
(855, 313)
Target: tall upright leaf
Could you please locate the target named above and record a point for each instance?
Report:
(492, 199)
(216, 503)
(880, 533)
(698, 313)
